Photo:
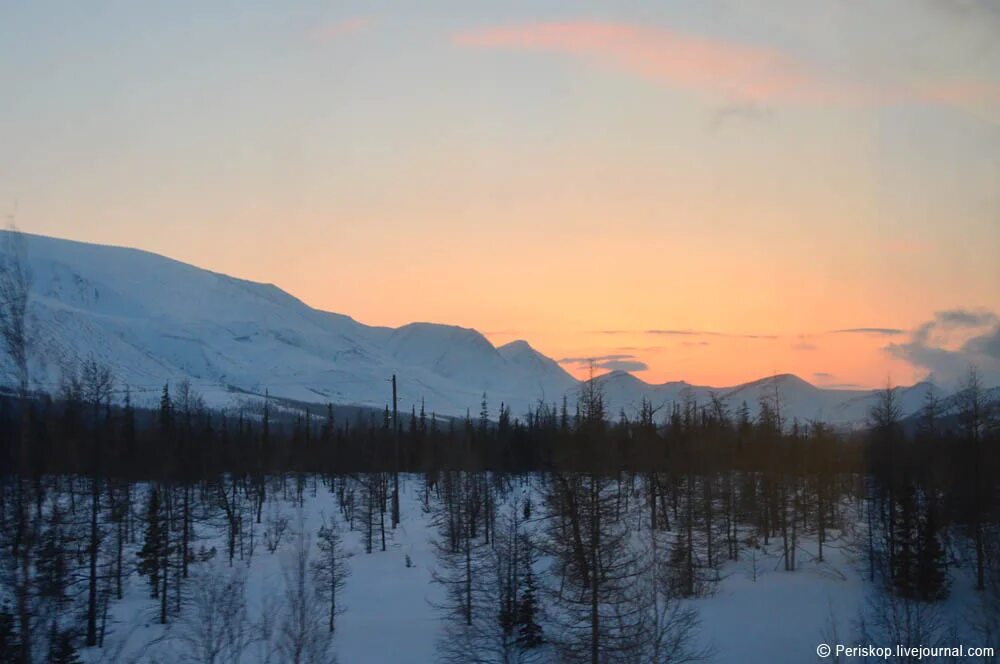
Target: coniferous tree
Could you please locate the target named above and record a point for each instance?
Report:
(61, 648)
(931, 564)
(529, 632)
(151, 554)
(10, 644)
(52, 566)
(166, 415)
(903, 564)
(330, 569)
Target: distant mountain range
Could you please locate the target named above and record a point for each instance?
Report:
(154, 320)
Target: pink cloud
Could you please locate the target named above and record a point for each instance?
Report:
(962, 93)
(745, 73)
(345, 27)
(740, 72)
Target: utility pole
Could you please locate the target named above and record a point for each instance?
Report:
(395, 445)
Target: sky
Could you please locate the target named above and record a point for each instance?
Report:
(707, 191)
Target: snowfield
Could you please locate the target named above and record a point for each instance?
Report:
(758, 614)
(155, 320)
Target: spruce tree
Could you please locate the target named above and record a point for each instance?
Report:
(931, 565)
(61, 648)
(128, 424)
(166, 411)
(529, 632)
(905, 540)
(152, 548)
(10, 645)
(51, 565)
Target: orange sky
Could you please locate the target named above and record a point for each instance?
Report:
(573, 178)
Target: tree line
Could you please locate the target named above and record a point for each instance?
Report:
(624, 515)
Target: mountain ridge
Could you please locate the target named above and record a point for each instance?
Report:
(155, 319)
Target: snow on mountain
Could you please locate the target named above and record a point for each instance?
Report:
(951, 406)
(797, 398)
(154, 320)
(623, 391)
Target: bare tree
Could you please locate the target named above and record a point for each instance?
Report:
(596, 573)
(330, 569)
(15, 290)
(276, 525)
(984, 616)
(96, 381)
(303, 638)
(489, 611)
(668, 628)
(975, 421)
(974, 408)
(216, 629)
(888, 618)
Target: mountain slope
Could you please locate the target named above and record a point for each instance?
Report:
(156, 320)
(153, 320)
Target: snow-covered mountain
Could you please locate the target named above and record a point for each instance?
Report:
(797, 398)
(154, 320)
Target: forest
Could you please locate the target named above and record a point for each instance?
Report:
(570, 534)
(566, 533)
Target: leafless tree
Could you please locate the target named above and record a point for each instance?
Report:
(96, 382)
(975, 418)
(668, 628)
(974, 408)
(484, 611)
(330, 569)
(593, 587)
(15, 290)
(215, 628)
(888, 618)
(303, 636)
(276, 525)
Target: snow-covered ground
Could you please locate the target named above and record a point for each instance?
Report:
(759, 613)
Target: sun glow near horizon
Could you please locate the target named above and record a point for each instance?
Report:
(681, 192)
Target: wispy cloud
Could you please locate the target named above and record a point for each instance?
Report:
(740, 113)
(748, 76)
(880, 331)
(965, 317)
(614, 362)
(952, 342)
(804, 339)
(738, 71)
(622, 365)
(341, 28)
(682, 333)
(709, 333)
(595, 358)
(826, 380)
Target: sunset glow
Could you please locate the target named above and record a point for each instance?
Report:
(679, 192)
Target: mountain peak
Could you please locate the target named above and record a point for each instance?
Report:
(783, 381)
(517, 347)
(153, 319)
(621, 376)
